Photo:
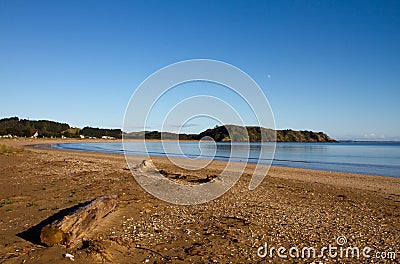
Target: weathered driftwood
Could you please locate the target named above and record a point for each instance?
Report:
(78, 222)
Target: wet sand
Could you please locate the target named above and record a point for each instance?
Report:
(291, 208)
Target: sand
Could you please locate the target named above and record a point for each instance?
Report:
(291, 208)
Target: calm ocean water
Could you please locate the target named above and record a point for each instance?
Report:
(378, 158)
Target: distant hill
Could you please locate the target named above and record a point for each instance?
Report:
(45, 128)
(160, 135)
(232, 133)
(101, 132)
(228, 133)
(289, 135)
(260, 134)
(27, 128)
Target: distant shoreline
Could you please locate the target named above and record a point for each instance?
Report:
(45, 145)
(345, 165)
(15, 127)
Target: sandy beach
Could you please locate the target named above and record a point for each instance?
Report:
(291, 208)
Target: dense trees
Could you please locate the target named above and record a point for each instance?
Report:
(233, 133)
(100, 132)
(44, 128)
(260, 134)
(27, 128)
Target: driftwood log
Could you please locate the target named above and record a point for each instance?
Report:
(78, 222)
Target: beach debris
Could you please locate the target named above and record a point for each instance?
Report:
(70, 256)
(78, 222)
(146, 165)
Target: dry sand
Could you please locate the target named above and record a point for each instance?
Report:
(291, 208)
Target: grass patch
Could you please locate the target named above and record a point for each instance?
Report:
(5, 201)
(76, 200)
(30, 204)
(4, 149)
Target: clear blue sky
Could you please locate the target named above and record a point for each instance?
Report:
(331, 66)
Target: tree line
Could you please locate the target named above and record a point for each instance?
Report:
(45, 128)
(27, 128)
(232, 133)
(227, 133)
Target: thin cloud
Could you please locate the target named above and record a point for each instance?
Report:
(374, 136)
(185, 125)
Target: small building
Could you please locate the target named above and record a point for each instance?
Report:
(107, 137)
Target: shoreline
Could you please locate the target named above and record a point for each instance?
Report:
(291, 207)
(343, 179)
(219, 160)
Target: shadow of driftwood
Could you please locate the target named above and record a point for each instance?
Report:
(33, 233)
